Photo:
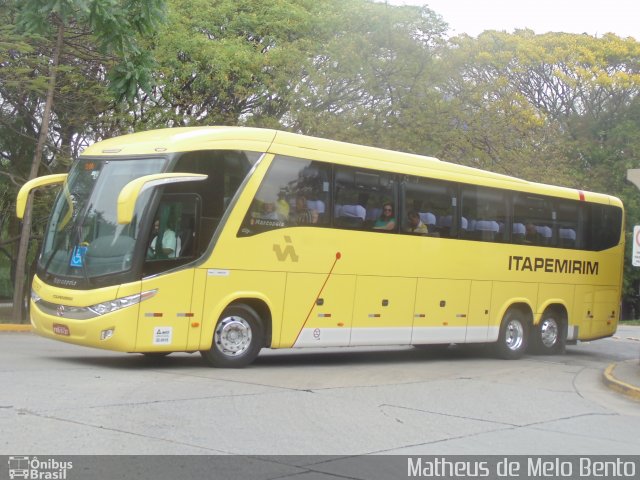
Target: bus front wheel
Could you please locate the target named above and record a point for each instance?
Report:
(549, 334)
(237, 338)
(514, 333)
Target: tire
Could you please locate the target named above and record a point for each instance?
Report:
(237, 338)
(514, 335)
(549, 336)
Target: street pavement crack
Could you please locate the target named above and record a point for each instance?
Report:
(122, 431)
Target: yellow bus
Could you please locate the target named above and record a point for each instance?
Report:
(227, 240)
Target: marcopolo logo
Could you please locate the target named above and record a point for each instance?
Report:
(38, 469)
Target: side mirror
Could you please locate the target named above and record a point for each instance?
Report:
(132, 190)
(23, 194)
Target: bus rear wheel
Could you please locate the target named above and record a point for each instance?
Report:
(514, 333)
(549, 334)
(237, 338)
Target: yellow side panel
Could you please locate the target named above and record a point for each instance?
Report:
(505, 294)
(164, 320)
(318, 310)
(554, 293)
(478, 328)
(383, 311)
(223, 287)
(441, 311)
(582, 311)
(197, 302)
(605, 311)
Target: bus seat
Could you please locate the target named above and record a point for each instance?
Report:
(354, 211)
(373, 214)
(317, 205)
(518, 232)
(544, 234)
(471, 225)
(567, 237)
(351, 216)
(427, 218)
(185, 243)
(486, 230)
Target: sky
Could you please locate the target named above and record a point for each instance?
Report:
(595, 17)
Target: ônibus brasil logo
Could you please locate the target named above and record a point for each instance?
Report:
(33, 468)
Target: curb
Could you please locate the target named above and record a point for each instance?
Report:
(618, 385)
(14, 327)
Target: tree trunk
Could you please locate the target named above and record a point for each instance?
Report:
(23, 246)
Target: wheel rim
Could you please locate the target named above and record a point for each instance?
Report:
(514, 337)
(233, 336)
(549, 332)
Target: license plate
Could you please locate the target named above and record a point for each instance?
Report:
(60, 329)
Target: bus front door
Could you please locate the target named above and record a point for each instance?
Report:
(165, 320)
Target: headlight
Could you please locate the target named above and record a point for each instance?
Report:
(92, 311)
(119, 303)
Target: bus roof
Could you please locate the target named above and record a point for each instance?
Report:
(183, 139)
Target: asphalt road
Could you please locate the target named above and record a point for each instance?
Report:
(59, 399)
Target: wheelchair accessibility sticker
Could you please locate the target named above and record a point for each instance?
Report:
(77, 258)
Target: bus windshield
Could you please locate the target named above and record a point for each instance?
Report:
(83, 239)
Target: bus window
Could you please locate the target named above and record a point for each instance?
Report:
(567, 220)
(605, 223)
(295, 192)
(225, 170)
(535, 214)
(433, 201)
(173, 236)
(360, 196)
(484, 214)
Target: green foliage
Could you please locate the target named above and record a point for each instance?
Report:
(374, 77)
(115, 27)
(229, 61)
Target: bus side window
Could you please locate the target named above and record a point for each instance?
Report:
(360, 197)
(432, 201)
(605, 223)
(485, 211)
(173, 237)
(225, 170)
(294, 193)
(538, 217)
(567, 219)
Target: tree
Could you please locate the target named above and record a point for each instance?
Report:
(230, 61)
(115, 28)
(375, 69)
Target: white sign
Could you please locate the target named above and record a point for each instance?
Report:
(162, 335)
(635, 258)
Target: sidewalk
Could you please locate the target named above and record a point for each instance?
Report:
(15, 327)
(624, 377)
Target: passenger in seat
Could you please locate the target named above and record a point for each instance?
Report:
(387, 220)
(304, 215)
(415, 224)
